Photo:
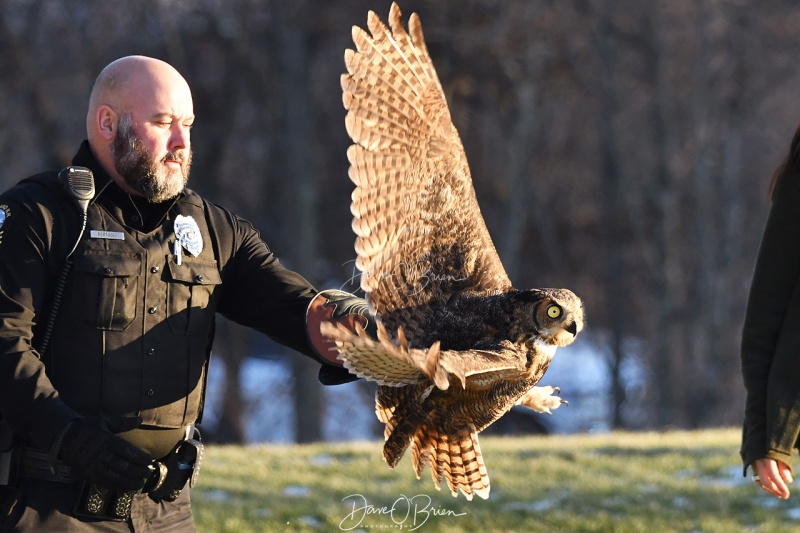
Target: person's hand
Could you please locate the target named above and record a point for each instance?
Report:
(341, 308)
(772, 476)
(90, 448)
(345, 304)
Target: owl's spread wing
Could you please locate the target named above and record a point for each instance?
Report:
(374, 360)
(397, 365)
(420, 236)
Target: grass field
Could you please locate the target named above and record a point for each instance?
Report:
(621, 483)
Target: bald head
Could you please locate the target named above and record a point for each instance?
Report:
(153, 103)
(135, 81)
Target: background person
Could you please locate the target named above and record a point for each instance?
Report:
(770, 349)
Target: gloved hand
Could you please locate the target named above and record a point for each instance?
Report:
(344, 304)
(93, 452)
(343, 308)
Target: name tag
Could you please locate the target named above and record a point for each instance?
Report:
(115, 235)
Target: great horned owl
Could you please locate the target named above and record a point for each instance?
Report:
(457, 346)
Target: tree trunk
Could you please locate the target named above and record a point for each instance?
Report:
(233, 348)
(613, 213)
(300, 179)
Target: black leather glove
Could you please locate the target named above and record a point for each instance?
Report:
(344, 304)
(90, 448)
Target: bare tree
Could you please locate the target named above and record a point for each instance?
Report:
(621, 149)
(300, 172)
(612, 185)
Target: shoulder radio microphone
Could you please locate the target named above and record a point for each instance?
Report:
(78, 184)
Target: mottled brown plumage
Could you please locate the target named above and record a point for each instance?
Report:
(457, 345)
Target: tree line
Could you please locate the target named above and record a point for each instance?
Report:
(619, 148)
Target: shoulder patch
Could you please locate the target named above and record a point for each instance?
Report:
(5, 212)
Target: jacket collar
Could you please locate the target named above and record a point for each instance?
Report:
(85, 158)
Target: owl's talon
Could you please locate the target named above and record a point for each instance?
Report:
(542, 399)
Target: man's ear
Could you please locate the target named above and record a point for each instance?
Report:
(107, 121)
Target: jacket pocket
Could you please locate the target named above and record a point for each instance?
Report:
(189, 294)
(105, 289)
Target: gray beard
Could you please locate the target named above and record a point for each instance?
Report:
(139, 168)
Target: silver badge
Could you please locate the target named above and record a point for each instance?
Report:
(187, 235)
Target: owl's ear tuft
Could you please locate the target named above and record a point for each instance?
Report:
(532, 295)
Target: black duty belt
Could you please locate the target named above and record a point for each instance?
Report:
(92, 502)
(170, 475)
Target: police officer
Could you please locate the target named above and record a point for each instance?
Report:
(101, 389)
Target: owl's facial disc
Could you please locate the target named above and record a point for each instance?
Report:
(556, 315)
(562, 320)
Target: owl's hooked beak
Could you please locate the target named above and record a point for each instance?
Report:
(567, 333)
(572, 328)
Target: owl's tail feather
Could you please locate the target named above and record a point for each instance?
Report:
(399, 439)
(456, 457)
(400, 408)
(423, 448)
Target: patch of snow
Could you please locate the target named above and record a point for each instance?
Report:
(321, 459)
(532, 507)
(310, 521)
(218, 495)
(681, 503)
(297, 491)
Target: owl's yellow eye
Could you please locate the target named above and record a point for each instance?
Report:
(554, 311)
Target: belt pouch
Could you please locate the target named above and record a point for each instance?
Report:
(182, 466)
(103, 504)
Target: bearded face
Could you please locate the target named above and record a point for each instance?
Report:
(143, 171)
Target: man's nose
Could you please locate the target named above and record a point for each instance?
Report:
(180, 137)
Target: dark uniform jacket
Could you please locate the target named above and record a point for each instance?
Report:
(770, 349)
(135, 327)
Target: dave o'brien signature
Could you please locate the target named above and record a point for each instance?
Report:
(404, 512)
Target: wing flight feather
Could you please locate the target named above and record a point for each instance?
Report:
(420, 236)
(395, 364)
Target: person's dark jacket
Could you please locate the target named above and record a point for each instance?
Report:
(770, 348)
(135, 326)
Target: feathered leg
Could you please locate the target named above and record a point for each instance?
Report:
(400, 408)
(542, 399)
